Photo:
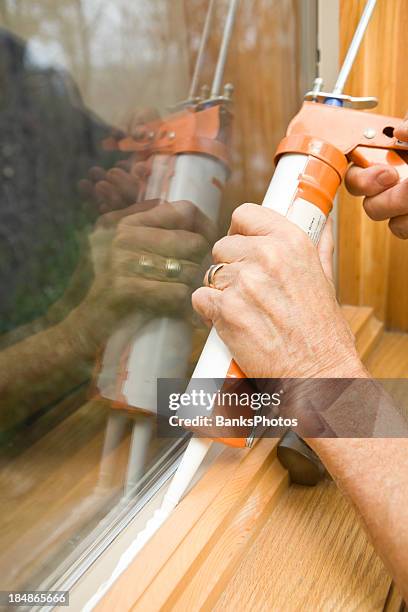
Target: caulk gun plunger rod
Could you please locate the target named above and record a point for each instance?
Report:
(200, 55)
(354, 46)
(222, 56)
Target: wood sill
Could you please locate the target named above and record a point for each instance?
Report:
(244, 539)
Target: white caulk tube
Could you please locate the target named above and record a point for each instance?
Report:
(159, 347)
(282, 196)
(301, 187)
(162, 347)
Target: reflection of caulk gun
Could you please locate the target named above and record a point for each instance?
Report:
(188, 157)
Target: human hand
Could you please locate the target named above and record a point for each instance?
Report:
(116, 188)
(147, 258)
(275, 306)
(385, 196)
(123, 184)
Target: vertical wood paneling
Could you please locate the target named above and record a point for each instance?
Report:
(372, 263)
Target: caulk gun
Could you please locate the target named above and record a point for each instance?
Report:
(188, 155)
(329, 131)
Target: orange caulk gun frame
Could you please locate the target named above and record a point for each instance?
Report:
(338, 135)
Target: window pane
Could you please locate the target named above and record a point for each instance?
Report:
(111, 196)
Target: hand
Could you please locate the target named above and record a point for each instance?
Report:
(130, 250)
(276, 307)
(122, 185)
(385, 197)
(116, 188)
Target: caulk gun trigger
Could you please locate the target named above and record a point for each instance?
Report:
(347, 101)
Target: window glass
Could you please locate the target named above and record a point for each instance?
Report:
(113, 189)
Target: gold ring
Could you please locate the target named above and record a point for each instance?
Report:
(172, 268)
(210, 274)
(145, 264)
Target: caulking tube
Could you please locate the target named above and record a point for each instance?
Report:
(302, 189)
(199, 179)
(161, 349)
(119, 341)
(110, 376)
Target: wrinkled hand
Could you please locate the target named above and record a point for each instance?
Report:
(385, 197)
(146, 257)
(275, 305)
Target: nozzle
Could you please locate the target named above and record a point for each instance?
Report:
(354, 47)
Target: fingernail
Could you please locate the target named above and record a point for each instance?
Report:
(387, 178)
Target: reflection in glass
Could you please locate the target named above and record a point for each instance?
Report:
(112, 194)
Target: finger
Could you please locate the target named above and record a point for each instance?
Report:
(180, 244)
(124, 164)
(224, 277)
(151, 295)
(107, 196)
(326, 249)
(180, 215)
(126, 184)
(401, 132)
(96, 173)
(391, 203)
(156, 267)
(255, 220)
(206, 303)
(141, 170)
(399, 226)
(232, 248)
(112, 218)
(370, 181)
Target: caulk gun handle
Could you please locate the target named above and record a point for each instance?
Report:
(369, 156)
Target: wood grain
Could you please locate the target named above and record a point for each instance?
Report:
(372, 262)
(390, 359)
(311, 555)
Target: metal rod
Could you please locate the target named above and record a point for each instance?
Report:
(200, 55)
(222, 56)
(354, 46)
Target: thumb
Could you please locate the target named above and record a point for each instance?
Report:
(326, 249)
(401, 132)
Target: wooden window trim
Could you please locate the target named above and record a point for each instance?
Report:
(191, 559)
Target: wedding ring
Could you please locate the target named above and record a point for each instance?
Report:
(210, 274)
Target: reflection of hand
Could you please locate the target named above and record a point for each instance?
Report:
(122, 185)
(115, 188)
(146, 257)
(385, 197)
(274, 306)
